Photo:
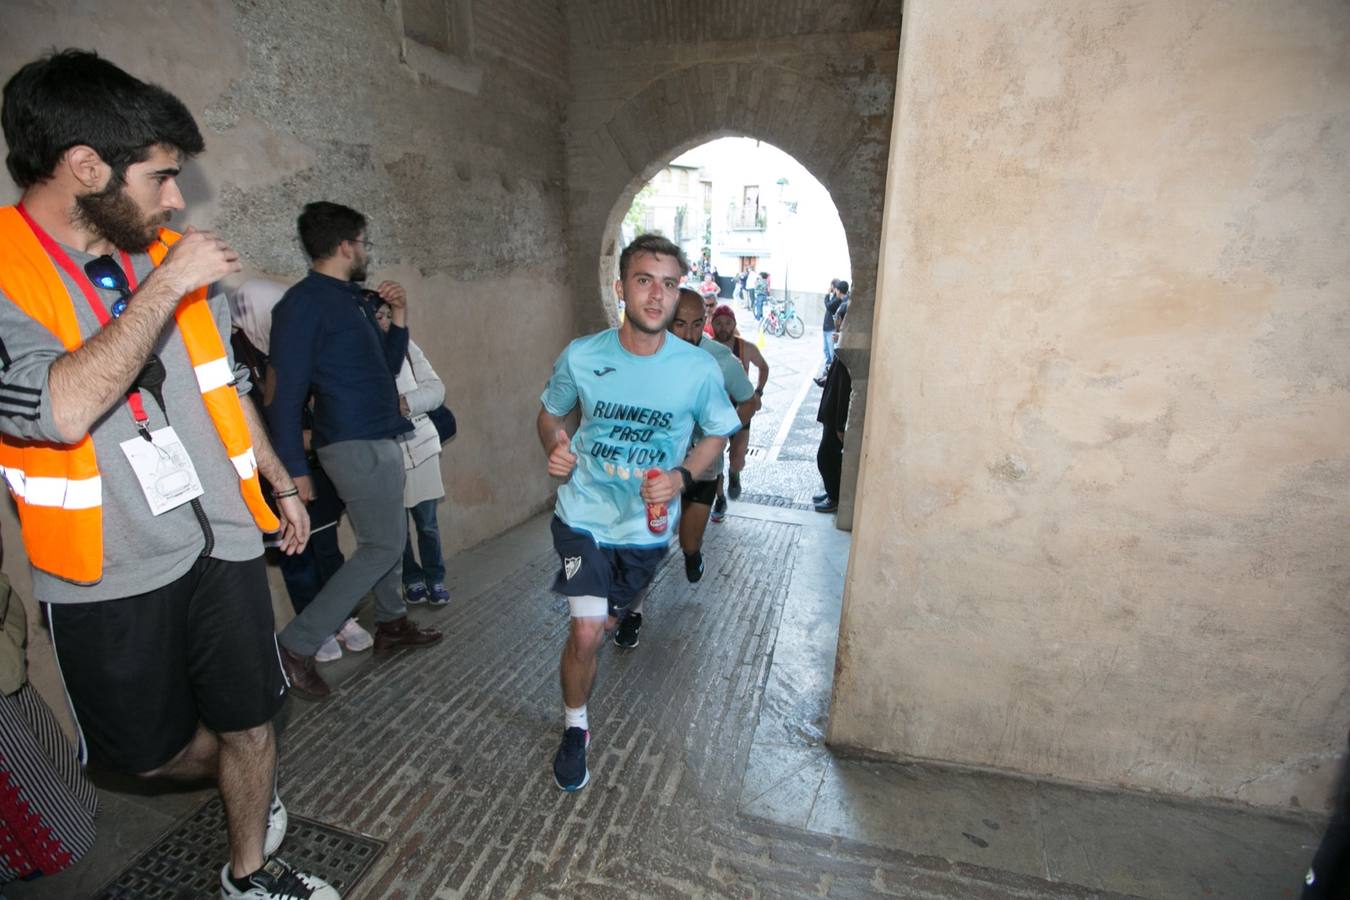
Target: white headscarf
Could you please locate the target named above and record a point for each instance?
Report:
(251, 310)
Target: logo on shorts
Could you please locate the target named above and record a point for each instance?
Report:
(571, 566)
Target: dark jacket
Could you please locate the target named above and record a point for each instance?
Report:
(334, 349)
(832, 301)
(833, 409)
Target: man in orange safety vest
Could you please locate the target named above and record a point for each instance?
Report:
(132, 462)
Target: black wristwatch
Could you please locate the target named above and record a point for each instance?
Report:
(684, 473)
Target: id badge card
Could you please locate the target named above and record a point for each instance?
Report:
(165, 471)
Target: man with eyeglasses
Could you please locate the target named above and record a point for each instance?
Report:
(132, 462)
(326, 342)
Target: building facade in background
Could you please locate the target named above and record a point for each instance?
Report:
(744, 204)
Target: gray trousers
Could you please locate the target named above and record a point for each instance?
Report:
(368, 476)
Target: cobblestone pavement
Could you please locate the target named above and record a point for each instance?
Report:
(781, 466)
(446, 754)
(709, 775)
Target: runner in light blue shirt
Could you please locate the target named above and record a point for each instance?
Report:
(640, 392)
(697, 501)
(638, 413)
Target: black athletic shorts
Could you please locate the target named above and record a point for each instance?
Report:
(143, 671)
(618, 574)
(704, 492)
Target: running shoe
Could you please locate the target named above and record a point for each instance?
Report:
(693, 566)
(719, 510)
(277, 822)
(439, 595)
(354, 637)
(415, 593)
(276, 880)
(626, 635)
(569, 766)
(817, 498)
(733, 486)
(329, 650)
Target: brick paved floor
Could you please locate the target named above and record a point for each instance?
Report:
(781, 467)
(446, 753)
(709, 777)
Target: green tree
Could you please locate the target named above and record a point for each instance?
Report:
(637, 212)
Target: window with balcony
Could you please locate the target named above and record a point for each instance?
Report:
(750, 215)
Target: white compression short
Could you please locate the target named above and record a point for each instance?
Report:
(588, 607)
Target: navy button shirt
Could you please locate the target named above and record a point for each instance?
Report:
(325, 340)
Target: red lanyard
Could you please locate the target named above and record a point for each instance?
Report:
(77, 275)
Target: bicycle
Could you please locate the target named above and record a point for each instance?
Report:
(782, 318)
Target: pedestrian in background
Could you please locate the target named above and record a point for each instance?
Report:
(837, 296)
(832, 414)
(420, 391)
(335, 350)
(306, 572)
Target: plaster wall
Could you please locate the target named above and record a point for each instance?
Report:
(1105, 477)
(463, 187)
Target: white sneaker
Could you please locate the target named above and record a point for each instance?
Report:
(277, 822)
(354, 637)
(276, 880)
(328, 650)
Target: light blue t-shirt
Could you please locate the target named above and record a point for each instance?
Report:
(733, 373)
(637, 413)
(736, 383)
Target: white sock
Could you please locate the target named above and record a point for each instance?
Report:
(575, 718)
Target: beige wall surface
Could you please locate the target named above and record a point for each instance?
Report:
(1101, 532)
(462, 184)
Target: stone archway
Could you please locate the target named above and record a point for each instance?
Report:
(609, 251)
(839, 132)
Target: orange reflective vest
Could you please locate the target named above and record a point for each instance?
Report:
(57, 487)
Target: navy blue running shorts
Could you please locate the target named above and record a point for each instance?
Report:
(618, 574)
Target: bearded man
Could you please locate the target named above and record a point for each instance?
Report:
(326, 342)
(132, 462)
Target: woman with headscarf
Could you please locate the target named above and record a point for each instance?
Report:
(307, 572)
(420, 391)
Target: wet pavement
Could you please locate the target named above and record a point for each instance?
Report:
(780, 468)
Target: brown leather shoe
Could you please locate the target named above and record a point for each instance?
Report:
(304, 678)
(401, 632)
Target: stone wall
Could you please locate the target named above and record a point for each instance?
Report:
(457, 161)
(1102, 527)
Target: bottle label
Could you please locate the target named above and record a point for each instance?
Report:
(657, 518)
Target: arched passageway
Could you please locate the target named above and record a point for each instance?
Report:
(740, 205)
(837, 126)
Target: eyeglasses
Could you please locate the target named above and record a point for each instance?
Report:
(107, 274)
(363, 242)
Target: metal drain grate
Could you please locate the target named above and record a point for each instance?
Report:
(755, 452)
(185, 863)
